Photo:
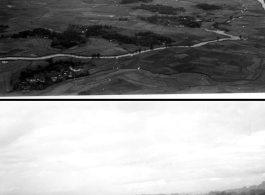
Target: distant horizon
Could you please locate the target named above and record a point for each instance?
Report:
(195, 193)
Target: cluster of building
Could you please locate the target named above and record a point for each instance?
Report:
(42, 80)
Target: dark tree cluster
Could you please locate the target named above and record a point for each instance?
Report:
(80, 29)
(37, 32)
(2, 29)
(97, 30)
(42, 77)
(123, 19)
(118, 37)
(187, 21)
(161, 9)
(91, 30)
(150, 38)
(53, 66)
(67, 39)
(142, 38)
(95, 55)
(206, 6)
(135, 1)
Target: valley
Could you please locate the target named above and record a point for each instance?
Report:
(213, 48)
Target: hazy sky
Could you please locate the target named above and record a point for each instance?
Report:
(123, 148)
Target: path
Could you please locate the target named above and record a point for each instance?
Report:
(230, 38)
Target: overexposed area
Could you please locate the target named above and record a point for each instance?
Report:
(130, 148)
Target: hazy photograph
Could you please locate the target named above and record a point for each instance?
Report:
(131, 47)
(132, 148)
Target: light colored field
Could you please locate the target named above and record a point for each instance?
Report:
(27, 47)
(7, 72)
(97, 45)
(13, 66)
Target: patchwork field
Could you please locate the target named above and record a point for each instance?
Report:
(208, 69)
(230, 66)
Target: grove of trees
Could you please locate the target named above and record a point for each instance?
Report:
(135, 1)
(161, 9)
(76, 35)
(141, 38)
(188, 21)
(66, 39)
(54, 69)
(206, 6)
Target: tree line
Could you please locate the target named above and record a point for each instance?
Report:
(141, 38)
(188, 21)
(206, 6)
(77, 34)
(135, 1)
(161, 9)
(66, 39)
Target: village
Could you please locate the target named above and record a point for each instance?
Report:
(57, 72)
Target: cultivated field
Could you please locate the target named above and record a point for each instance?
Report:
(26, 47)
(231, 66)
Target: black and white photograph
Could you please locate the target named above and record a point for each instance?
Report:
(132, 148)
(84, 48)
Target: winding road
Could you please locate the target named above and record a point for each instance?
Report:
(262, 3)
(229, 38)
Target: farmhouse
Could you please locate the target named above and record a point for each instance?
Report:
(31, 80)
(25, 87)
(39, 78)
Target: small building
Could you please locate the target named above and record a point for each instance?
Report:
(53, 76)
(60, 75)
(25, 88)
(70, 75)
(40, 78)
(31, 80)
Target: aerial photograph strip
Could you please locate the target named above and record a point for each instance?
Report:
(128, 47)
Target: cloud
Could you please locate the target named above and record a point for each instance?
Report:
(130, 148)
(14, 129)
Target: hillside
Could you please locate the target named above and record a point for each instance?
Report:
(251, 190)
(245, 189)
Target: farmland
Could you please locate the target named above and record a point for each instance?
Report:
(229, 66)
